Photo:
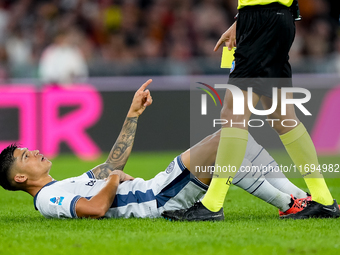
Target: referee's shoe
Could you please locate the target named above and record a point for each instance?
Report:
(316, 210)
(198, 212)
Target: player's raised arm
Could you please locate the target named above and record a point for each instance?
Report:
(121, 150)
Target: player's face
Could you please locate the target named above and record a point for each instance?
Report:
(31, 162)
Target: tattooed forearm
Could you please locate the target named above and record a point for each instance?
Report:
(122, 148)
(120, 151)
(102, 171)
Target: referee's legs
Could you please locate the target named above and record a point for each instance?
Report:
(300, 148)
(230, 152)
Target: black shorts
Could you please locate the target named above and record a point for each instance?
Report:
(264, 35)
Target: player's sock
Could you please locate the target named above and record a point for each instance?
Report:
(280, 181)
(301, 150)
(256, 154)
(254, 183)
(230, 152)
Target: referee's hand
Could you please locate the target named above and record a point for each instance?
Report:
(228, 37)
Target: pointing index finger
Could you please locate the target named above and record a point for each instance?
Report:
(143, 87)
(219, 43)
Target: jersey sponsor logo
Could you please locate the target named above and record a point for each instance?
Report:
(232, 66)
(90, 183)
(56, 200)
(170, 167)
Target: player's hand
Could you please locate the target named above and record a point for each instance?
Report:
(228, 37)
(122, 176)
(140, 101)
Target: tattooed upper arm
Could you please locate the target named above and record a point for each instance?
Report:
(102, 171)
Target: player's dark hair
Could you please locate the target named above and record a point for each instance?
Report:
(6, 162)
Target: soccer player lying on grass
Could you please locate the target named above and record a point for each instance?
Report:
(106, 191)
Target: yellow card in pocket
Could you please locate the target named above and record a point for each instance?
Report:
(227, 57)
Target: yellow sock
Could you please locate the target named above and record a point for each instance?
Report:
(301, 150)
(230, 153)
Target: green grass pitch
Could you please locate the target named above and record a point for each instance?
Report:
(250, 227)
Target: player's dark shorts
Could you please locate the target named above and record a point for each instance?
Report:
(264, 35)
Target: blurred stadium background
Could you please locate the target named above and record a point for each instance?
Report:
(107, 48)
